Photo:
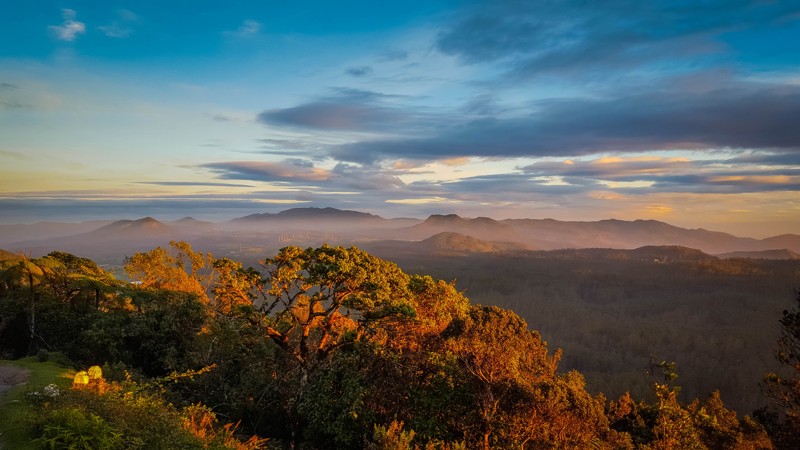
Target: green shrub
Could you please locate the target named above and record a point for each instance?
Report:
(43, 355)
(69, 428)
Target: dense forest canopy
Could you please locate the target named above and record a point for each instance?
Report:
(332, 347)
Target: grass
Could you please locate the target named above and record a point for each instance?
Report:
(14, 408)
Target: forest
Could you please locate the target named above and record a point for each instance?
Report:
(611, 310)
(333, 347)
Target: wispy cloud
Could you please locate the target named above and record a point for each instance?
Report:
(122, 27)
(248, 28)
(289, 170)
(69, 28)
(193, 183)
(359, 71)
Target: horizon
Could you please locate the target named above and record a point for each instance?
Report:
(172, 219)
(681, 113)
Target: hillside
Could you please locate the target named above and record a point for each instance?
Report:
(763, 254)
(441, 244)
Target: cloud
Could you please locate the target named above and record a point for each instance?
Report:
(192, 183)
(346, 110)
(392, 55)
(70, 28)
(290, 144)
(122, 26)
(359, 71)
(364, 178)
(248, 28)
(661, 174)
(736, 116)
(613, 168)
(289, 170)
(578, 38)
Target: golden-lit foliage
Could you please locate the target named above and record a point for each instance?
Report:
(178, 269)
(334, 348)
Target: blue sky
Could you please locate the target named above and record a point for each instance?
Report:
(685, 112)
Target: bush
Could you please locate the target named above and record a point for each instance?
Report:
(43, 355)
(127, 415)
(69, 428)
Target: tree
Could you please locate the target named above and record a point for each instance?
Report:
(512, 380)
(314, 301)
(234, 286)
(30, 271)
(783, 387)
(179, 269)
(76, 277)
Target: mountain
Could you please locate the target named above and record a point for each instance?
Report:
(260, 234)
(550, 234)
(441, 244)
(310, 214)
(763, 254)
(481, 228)
(449, 242)
(109, 243)
(147, 227)
(189, 226)
(787, 241)
(319, 219)
(191, 221)
(10, 234)
(614, 233)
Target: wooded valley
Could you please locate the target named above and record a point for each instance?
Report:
(336, 348)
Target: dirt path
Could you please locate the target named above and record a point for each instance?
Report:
(11, 376)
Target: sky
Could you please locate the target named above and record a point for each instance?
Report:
(687, 112)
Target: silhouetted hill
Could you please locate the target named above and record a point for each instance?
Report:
(787, 241)
(190, 221)
(455, 243)
(614, 233)
(763, 254)
(310, 214)
(481, 228)
(109, 243)
(129, 229)
(320, 219)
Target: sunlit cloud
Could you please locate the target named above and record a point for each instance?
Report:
(267, 171)
(420, 201)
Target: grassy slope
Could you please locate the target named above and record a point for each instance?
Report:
(14, 407)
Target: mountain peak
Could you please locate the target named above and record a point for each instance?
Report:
(145, 225)
(444, 219)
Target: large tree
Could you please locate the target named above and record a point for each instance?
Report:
(783, 386)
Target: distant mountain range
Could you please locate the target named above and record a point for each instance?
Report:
(440, 234)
